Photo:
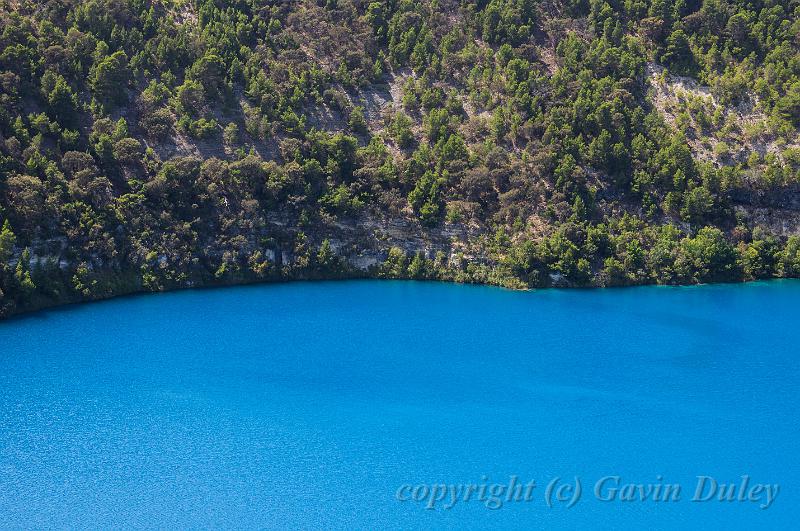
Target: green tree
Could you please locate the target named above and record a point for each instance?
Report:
(209, 71)
(425, 198)
(7, 242)
(707, 257)
(417, 269)
(190, 97)
(789, 258)
(110, 78)
(698, 205)
(357, 121)
(22, 273)
(788, 106)
(230, 134)
(401, 130)
(63, 103)
(395, 265)
(678, 54)
(326, 259)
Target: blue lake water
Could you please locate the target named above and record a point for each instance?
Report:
(318, 405)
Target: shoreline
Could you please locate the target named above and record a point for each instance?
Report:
(37, 309)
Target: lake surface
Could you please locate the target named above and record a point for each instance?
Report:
(325, 405)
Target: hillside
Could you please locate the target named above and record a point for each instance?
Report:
(156, 144)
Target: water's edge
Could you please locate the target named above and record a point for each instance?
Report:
(45, 305)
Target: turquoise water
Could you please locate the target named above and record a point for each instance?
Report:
(319, 404)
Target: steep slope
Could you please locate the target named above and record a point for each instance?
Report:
(149, 145)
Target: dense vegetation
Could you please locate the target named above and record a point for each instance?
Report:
(154, 144)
